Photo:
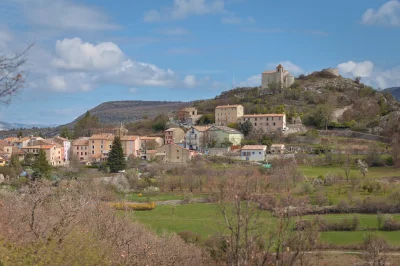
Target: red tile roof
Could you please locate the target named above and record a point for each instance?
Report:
(129, 137)
(102, 136)
(262, 115)
(81, 142)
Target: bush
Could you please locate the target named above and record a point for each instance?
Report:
(128, 206)
(190, 237)
(344, 225)
(390, 224)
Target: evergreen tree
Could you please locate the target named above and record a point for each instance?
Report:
(41, 166)
(65, 133)
(246, 127)
(84, 125)
(15, 164)
(116, 157)
(20, 134)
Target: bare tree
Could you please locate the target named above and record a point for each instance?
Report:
(12, 77)
(376, 250)
(346, 164)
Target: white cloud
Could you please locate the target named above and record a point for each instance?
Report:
(173, 31)
(81, 66)
(182, 9)
(387, 15)
(62, 14)
(75, 54)
(371, 75)
(362, 69)
(253, 81)
(289, 66)
(190, 81)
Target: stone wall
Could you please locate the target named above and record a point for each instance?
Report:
(353, 134)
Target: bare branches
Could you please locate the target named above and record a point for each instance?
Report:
(12, 77)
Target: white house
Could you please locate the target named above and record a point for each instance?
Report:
(277, 148)
(254, 153)
(195, 138)
(280, 76)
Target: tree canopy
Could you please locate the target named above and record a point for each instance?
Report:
(41, 166)
(84, 125)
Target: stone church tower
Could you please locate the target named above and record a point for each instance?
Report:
(279, 76)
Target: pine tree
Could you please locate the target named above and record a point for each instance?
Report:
(15, 164)
(116, 157)
(65, 133)
(20, 134)
(41, 166)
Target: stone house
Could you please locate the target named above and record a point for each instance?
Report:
(131, 145)
(174, 135)
(277, 149)
(151, 142)
(172, 153)
(100, 146)
(266, 122)
(226, 114)
(53, 153)
(80, 149)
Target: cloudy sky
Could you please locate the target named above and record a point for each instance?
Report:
(90, 51)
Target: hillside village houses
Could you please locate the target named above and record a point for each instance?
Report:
(188, 116)
(254, 153)
(226, 114)
(195, 138)
(280, 77)
(174, 135)
(266, 122)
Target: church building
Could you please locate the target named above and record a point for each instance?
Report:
(279, 76)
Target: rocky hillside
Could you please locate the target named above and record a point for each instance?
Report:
(395, 91)
(321, 99)
(130, 111)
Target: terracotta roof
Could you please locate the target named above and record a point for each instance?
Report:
(4, 143)
(22, 139)
(262, 115)
(81, 142)
(149, 138)
(201, 128)
(46, 147)
(15, 150)
(254, 147)
(228, 106)
(11, 139)
(129, 137)
(32, 147)
(103, 136)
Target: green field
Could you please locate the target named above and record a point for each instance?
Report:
(373, 172)
(205, 219)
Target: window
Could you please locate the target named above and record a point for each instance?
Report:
(274, 124)
(110, 146)
(259, 152)
(255, 119)
(93, 147)
(267, 118)
(101, 147)
(85, 153)
(92, 152)
(177, 157)
(92, 141)
(253, 152)
(77, 153)
(177, 150)
(267, 124)
(255, 124)
(77, 148)
(272, 118)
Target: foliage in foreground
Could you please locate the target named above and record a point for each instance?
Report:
(129, 206)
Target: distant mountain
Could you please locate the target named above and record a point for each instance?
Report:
(129, 111)
(395, 91)
(8, 126)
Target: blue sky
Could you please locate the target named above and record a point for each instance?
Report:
(88, 52)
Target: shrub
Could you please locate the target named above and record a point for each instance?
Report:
(390, 224)
(344, 225)
(151, 190)
(189, 237)
(129, 206)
